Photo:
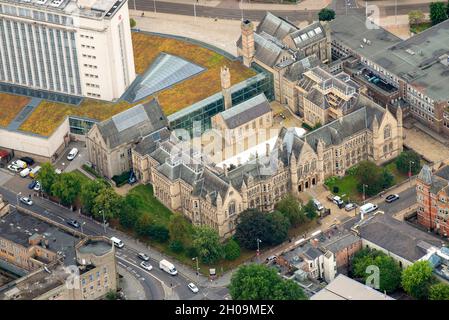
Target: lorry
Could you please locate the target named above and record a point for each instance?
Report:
(168, 267)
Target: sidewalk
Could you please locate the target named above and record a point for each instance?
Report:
(131, 287)
(390, 3)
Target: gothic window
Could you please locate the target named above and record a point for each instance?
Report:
(391, 146)
(385, 148)
(387, 132)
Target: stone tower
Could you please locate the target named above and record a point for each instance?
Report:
(225, 76)
(294, 174)
(248, 46)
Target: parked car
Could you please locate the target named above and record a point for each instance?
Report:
(367, 208)
(29, 161)
(317, 205)
(32, 184)
(392, 197)
(193, 287)
(25, 172)
(26, 200)
(146, 265)
(73, 223)
(14, 168)
(72, 154)
(34, 171)
(37, 187)
(350, 206)
(271, 258)
(337, 200)
(143, 256)
(20, 164)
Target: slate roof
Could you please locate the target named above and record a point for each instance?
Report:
(296, 70)
(146, 118)
(275, 26)
(149, 143)
(340, 242)
(246, 111)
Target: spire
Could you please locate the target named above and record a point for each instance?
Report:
(219, 200)
(243, 185)
(375, 124)
(425, 175)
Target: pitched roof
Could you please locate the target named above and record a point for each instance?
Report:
(129, 125)
(246, 111)
(275, 26)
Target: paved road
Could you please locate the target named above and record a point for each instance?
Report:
(157, 284)
(340, 6)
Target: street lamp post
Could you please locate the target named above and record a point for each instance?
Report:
(258, 249)
(364, 185)
(410, 170)
(197, 269)
(104, 221)
(82, 224)
(17, 197)
(154, 6)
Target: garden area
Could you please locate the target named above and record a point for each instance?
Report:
(375, 178)
(10, 107)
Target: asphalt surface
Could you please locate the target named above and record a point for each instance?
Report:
(153, 281)
(340, 6)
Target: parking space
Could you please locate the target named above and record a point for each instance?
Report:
(65, 165)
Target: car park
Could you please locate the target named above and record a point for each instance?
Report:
(392, 197)
(25, 172)
(143, 256)
(20, 164)
(146, 265)
(32, 184)
(26, 200)
(73, 223)
(350, 206)
(193, 287)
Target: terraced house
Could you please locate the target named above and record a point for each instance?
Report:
(186, 181)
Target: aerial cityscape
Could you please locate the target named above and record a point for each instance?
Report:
(202, 150)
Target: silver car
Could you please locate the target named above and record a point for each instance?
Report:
(26, 200)
(193, 287)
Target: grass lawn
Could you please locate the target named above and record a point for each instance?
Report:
(420, 27)
(10, 106)
(347, 186)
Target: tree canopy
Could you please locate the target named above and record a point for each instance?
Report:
(231, 250)
(291, 208)
(373, 177)
(389, 270)
(252, 225)
(259, 282)
(278, 226)
(66, 187)
(180, 229)
(417, 279)
(326, 14)
(207, 243)
(47, 177)
(107, 203)
(439, 291)
(415, 17)
(89, 192)
(438, 12)
(408, 160)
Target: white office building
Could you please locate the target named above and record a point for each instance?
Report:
(80, 48)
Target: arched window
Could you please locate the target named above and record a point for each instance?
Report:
(231, 208)
(387, 131)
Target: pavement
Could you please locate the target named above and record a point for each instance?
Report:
(131, 287)
(431, 149)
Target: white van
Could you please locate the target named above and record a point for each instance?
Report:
(20, 164)
(25, 172)
(367, 208)
(34, 171)
(72, 154)
(117, 242)
(168, 267)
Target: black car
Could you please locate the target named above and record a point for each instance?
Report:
(73, 223)
(392, 197)
(29, 161)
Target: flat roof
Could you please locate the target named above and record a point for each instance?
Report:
(96, 247)
(18, 227)
(415, 60)
(345, 288)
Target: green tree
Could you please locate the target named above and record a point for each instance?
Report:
(326, 14)
(252, 224)
(438, 12)
(143, 225)
(291, 208)
(415, 17)
(408, 160)
(89, 192)
(176, 246)
(278, 228)
(180, 229)
(107, 203)
(258, 282)
(373, 177)
(132, 23)
(129, 213)
(47, 177)
(159, 233)
(417, 279)
(439, 291)
(207, 243)
(231, 250)
(67, 187)
(310, 210)
(387, 178)
(111, 295)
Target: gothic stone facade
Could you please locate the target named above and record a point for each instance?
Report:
(214, 197)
